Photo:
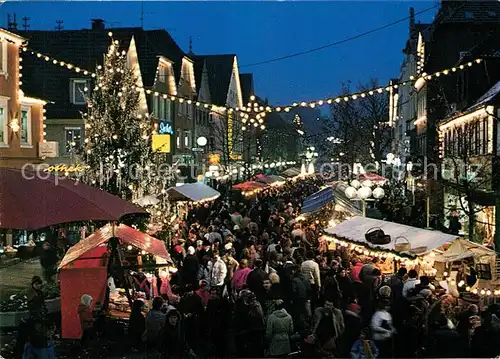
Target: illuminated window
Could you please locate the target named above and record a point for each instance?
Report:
(3, 56)
(73, 140)
(4, 131)
(187, 139)
(26, 125)
(178, 138)
(78, 91)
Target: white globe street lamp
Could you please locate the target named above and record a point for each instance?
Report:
(351, 192)
(201, 141)
(378, 193)
(363, 191)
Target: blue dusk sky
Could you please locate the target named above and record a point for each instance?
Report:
(260, 31)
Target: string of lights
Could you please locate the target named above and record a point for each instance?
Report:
(246, 110)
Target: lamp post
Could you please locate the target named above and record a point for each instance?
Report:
(362, 191)
(201, 142)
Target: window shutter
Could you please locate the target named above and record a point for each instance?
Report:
(71, 91)
(4, 56)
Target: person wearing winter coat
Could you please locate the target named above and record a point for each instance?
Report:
(154, 322)
(328, 326)
(204, 269)
(279, 328)
(363, 348)
(239, 280)
(218, 272)
(190, 267)
(382, 329)
(86, 318)
(171, 343)
(136, 324)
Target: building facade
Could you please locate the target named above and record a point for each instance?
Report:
(21, 116)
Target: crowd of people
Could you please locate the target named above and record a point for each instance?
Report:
(254, 282)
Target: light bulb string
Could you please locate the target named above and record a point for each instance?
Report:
(278, 108)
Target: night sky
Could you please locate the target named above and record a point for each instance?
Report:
(260, 31)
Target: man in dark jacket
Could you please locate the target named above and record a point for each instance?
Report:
(445, 342)
(190, 268)
(48, 260)
(256, 279)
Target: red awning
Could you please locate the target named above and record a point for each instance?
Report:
(372, 177)
(264, 179)
(249, 186)
(126, 234)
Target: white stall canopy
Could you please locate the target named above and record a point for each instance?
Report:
(354, 229)
(461, 249)
(192, 192)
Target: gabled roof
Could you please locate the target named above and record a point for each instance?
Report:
(220, 70)
(489, 96)
(85, 48)
(247, 90)
(469, 12)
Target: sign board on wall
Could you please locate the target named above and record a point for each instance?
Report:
(48, 149)
(161, 143)
(165, 128)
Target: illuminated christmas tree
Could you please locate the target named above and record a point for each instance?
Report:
(118, 150)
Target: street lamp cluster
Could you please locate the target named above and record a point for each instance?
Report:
(362, 191)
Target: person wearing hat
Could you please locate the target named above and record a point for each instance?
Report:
(36, 300)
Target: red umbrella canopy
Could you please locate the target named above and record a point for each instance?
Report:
(249, 185)
(33, 200)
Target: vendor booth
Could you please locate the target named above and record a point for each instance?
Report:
(86, 269)
(291, 172)
(456, 263)
(250, 188)
(194, 192)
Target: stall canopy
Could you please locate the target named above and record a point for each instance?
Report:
(291, 172)
(249, 186)
(354, 229)
(277, 178)
(378, 179)
(125, 233)
(317, 200)
(461, 249)
(264, 179)
(192, 192)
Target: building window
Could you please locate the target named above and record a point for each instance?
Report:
(189, 111)
(3, 56)
(178, 139)
(161, 111)
(162, 74)
(154, 102)
(73, 140)
(78, 91)
(25, 125)
(168, 109)
(4, 130)
(187, 139)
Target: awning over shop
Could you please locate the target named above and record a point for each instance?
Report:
(192, 192)
(461, 249)
(277, 178)
(354, 229)
(249, 186)
(291, 172)
(317, 200)
(126, 234)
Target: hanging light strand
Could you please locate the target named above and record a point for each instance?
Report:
(286, 108)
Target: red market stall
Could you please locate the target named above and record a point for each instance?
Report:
(84, 269)
(250, 186)
(377, 179)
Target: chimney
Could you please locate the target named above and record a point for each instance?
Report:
(412, 20)
(97, 24)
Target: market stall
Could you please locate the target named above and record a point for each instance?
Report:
(192, 192)
(250, 188)
(435, 254)
(85, 269)
(291, 172)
